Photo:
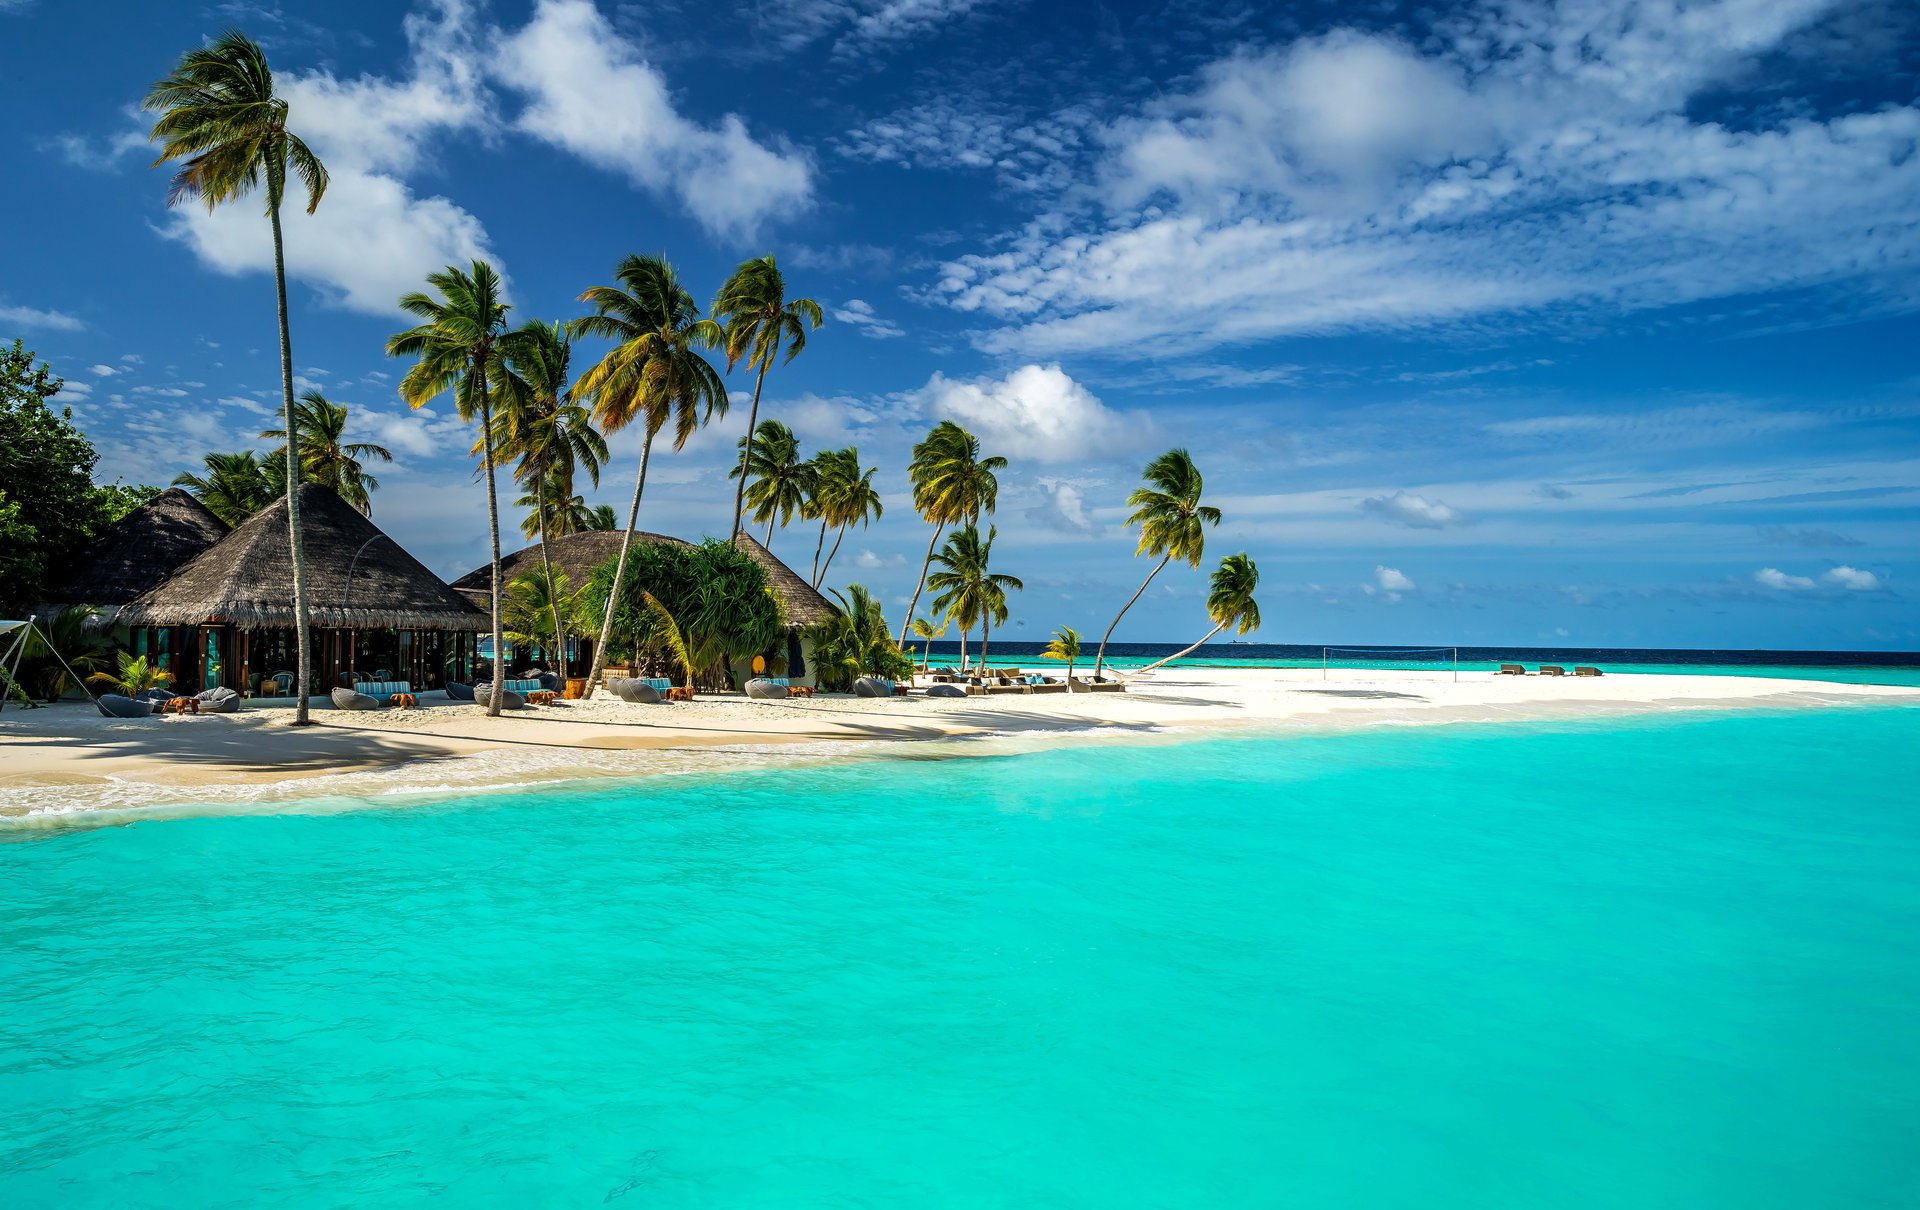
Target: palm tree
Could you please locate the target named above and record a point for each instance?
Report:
(1065, 646)
(536, 421)
(235, 485)
(653, 374)
(219, 114)
(952, 483)
(537, 601)
(969, 592)
(759, 321)
(132, 676)
(782, 483)
(1171, 520)
(843, 495)
(924, 630)
(599, 518)
(327, 459)
(1229, 603)
(458, 346)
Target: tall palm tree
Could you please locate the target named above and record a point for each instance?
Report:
(924, 630)
(1229, 602)
(1065, 646)
(970, 592)
(326, 457)
(952, 484)
(653, 373)
(458, 346)
(234, 487)
(1172, 525)
(759, 321)
(219, 114)
(843, 495)
(782, 483)
(536, 421)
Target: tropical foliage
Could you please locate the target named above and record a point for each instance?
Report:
(781, 484)
(234, 486)
(1172, 524)
(759, 321)
(222, 122)
(926, 631)
(952, 485)
(131, 676)
(715, 594)
(843, 496)
(541, 604)
(1064, 647)
(856, 642)
(1229, 603)
(970, 592)
(326, 457)
(59, 648)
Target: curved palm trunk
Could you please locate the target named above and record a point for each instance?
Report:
(838, 534)
(769, 542)
(925, 563)
(963, 651)
(1099, 659)
(619, 571)
(753, 421)
(1188, 650)
(546, 560)
(986, 632)
(816, 552)
(498, 695)
(303, 641)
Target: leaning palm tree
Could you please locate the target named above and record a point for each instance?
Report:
(458, 346)
(843, 496)
(969, 591)
(1065, 647)
(1229, 603)
(219, 114)
(924, 630)
(326, 457)
(653, 373)
(1171, 520)
(952, 484)
(234, 487)
(536, 421)
(782, 483)
(759, 321)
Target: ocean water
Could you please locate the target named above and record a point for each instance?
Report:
(1657, 962)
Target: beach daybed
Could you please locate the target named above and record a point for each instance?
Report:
(1513, 670)
(1585, 670)
(112, 705)
(1552, 670)
(1098, 686)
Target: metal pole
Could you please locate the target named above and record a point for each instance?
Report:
(346, 603)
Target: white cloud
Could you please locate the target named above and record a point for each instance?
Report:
(104, 155)
(1853, 579)
(857, 27)
(74, 391)
(1413, 511)
(1063, 506)
(132, 359)
(1038, 412)
(1391, 579)
(103, 371)
(592, 94)
(1773, 577)
(872, 561)
(860, 314)
(34, 317)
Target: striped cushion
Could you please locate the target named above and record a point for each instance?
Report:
(382, 688)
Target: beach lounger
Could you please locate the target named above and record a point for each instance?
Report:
(1552, 670)
(1585, 670)
(1513, 670)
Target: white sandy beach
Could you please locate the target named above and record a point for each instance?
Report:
(67, 759)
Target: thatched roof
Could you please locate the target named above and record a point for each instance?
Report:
(139, 551)
(578, 554)
(246, 579)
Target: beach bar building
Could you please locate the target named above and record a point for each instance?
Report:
(225, 616)
(136, 553)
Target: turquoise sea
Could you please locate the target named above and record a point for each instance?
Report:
(1665, 961)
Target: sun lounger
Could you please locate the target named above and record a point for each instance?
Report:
(1513, 670)
(1585, 670)
(1552, 670)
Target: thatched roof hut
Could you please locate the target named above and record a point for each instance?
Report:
(356, 577)
(578, 554)
(138, 552)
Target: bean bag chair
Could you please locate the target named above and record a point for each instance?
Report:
(155, 695)
(509, 700)
(219, 700)
(946, 690)
(762, 689)
(872, 686)
(550, 681)
(348, 699)
(634, 690)
(112, 705)
(456, 692)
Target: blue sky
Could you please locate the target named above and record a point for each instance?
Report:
(1532, 323)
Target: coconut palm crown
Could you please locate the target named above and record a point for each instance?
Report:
(782, 484)
(952, 484)
(843, 496)
(971, 593)
(1172, 524)
(760, 321)
(1229, 603)
(327, 458)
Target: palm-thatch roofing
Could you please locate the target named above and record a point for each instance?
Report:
(356, 577)
(579, 553)
(138, 551)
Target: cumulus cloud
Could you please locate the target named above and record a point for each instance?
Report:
(1063, 506)
(592, 94)
(74, 390)
(1038, 411)
(34, 317)
(1392, 579)
(1413, 511)
(872, 561)
(1773, 577)
(861, 316)
(103, 371)
(1852, 579)
(857, 27)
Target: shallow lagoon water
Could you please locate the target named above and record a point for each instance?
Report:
(1656, 961)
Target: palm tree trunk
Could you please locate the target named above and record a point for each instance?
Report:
(753, 420)
(1187, 651)
(838, 534)
(619, 571)
(986, 632)
(546, 559)
(963, 650)
(498, 696)
(769, 542)
(816, 551)
(1099, 660)
(303, 641)
(915, 602)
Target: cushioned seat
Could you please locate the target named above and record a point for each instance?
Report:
(634, 690)
(457, 692)
(872, 686)
(509, 700)
(945, 689)
(347, 699)
(114, 706)
(155, 695)
(765, 689)
(219, 700)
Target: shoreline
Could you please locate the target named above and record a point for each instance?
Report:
(66, 765)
